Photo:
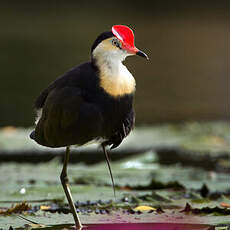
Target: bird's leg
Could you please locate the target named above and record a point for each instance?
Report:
(65, 184)
(109, 167)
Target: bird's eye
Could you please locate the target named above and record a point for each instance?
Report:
(116, 43)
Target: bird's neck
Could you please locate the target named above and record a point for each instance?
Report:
(114, 77)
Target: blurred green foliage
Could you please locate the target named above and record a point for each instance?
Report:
(187, 42)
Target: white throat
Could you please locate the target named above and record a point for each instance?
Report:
(115, 78)
(112, 65)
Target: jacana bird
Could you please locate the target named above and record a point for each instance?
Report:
(93, 101)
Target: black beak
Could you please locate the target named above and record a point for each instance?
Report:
(142, 54)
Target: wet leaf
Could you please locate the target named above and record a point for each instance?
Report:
(206, 210)
(18, 208)
(187, 208)
(225, 205)
(144, 208)
(155, 185)
(45, 207)
(204, 191)
(159, 210)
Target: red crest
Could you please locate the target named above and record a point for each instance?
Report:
(124, 34)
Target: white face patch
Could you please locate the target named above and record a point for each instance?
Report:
(108, 50)
(115, 78)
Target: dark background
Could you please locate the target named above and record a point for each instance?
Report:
(188, 42)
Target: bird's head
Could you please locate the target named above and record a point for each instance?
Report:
(116, 44)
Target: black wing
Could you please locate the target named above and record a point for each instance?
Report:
(67, 119)
(82, 76)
